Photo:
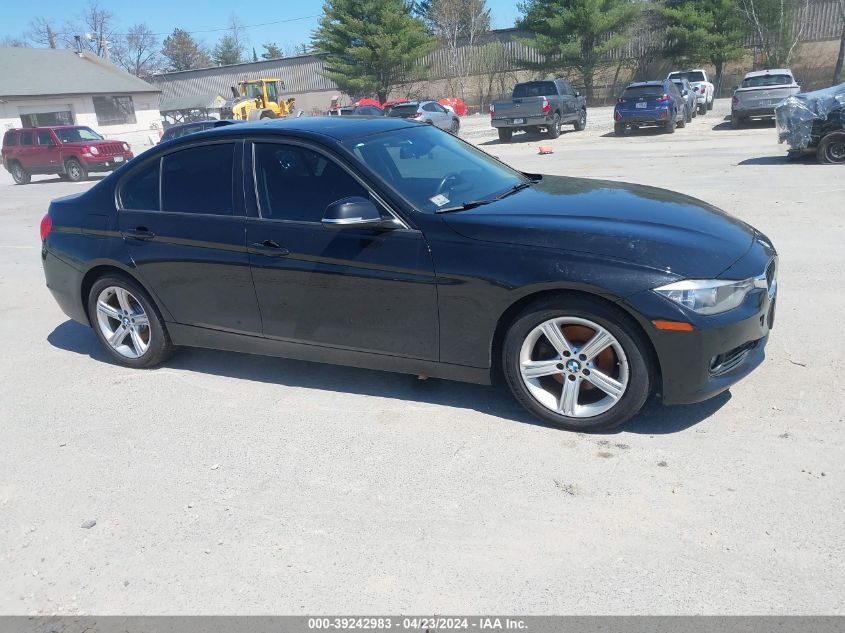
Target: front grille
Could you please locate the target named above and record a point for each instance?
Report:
(727, 362)
(111, 149)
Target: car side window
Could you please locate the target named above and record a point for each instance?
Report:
(44, 138)
(297, 184)
(11, 139)
(198, 180)
(438, 108)
(565, 88)
(429, 107)
(140, 190)
(26, 138)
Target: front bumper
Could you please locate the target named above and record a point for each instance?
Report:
(720, 352)
(106, 163)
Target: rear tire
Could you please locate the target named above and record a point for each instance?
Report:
(831, 149)
(710, 104)
(623, 365)
(74, 170)
(683, 122)
(702, 109)
(20, 175)
(127, 300)
(736, 121)
(554, 129)
(505, 134)
(670, 124)
(619, 129)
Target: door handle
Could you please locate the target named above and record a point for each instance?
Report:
(268, 248)
(138, 233)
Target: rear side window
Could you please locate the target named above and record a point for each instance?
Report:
(536, 89)
(140, 191)
(26, 138)
(11, 139)
(404, 110)
(198, 180)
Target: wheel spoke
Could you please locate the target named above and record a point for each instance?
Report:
(109, 311)
(118, 335)
(540, 368)
(555, 336)
(610, 386)
(569, 397)
(137, 341)
(141, 319)
(600, 341)
(123, 299)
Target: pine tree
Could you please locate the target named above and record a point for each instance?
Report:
(226, 51)
(371, 46)
(272, 51)
(576, 34)
(704, 31)
(183, 52)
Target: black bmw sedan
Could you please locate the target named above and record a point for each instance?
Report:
(386, 244)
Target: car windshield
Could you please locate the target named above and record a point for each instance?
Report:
(74, 134)
(689, 75)
(766, 80)
(643, 91)
(434, 170)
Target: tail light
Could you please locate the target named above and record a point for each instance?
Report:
(735, 100)
(46, 225)
(546, 106)
(620, 101)
(664, 98)
(492, 110)
(417, 115)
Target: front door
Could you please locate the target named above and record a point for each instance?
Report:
(188, 244)
(357, 289)
(49, 154)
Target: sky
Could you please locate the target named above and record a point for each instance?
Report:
(294, 21)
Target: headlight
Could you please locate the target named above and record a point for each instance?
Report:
(126, 147)
(93, 150)
(707, 296)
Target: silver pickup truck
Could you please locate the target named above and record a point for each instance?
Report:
(539, 105)
(760, 92)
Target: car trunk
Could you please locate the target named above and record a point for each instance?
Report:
(642, 99)
(764, 96)
(404, 111)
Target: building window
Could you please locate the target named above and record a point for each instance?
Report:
(45, 119)
(114, 110)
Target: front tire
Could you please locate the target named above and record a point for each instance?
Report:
(702, 109)
(577, 363)
(20, 175)
(581, 122)
(74, 171)
(831, 149)
(127, 322)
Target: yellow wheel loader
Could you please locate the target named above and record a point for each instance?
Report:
(256, 99)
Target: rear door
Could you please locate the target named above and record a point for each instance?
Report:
(358, 289)
(27, 153)
(182, 219)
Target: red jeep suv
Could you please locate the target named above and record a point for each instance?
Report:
(71, 151)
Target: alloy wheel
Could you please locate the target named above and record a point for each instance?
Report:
(123, 322)
(573, 367)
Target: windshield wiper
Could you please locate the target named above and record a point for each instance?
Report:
(477, 203)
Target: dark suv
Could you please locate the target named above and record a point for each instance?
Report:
(71, 151)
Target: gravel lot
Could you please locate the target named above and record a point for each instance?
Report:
(225, 483)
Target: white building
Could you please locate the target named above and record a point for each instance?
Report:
(42, 86)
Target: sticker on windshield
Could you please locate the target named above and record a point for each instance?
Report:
(439, 199)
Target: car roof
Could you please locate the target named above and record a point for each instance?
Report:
(772, 71)
(651, 82)
(335, 127)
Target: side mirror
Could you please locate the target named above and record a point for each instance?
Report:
(352, 213)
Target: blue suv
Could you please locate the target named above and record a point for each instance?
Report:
(650, 103)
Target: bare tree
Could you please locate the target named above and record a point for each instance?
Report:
(138, 51)
(459, 24)
(13, 42)
(42, 33)
(96, 30)
(778, 26)
(238, 33)
(840, 59)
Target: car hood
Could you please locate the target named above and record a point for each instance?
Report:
(647, 226)
(92, 143)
